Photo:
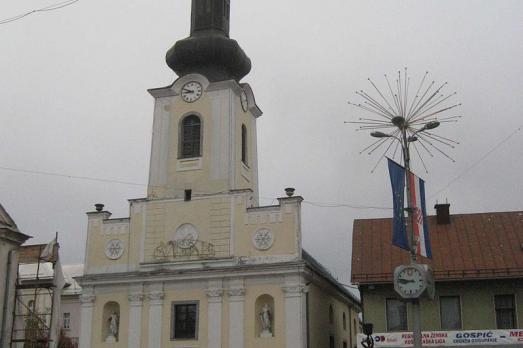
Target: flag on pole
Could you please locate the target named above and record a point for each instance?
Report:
(419, 211)
(397, 180)
(47, 252)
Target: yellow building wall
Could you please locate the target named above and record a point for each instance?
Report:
(99, 233)
(282, 220)
(99, 323)
(202, 180)
(182, 296)
(252, 317)
(320, 328)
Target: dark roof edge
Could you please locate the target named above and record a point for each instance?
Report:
(325, 274)
(458, 214)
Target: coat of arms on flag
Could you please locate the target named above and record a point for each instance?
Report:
(419, 212)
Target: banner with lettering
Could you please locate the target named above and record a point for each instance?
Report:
(448, 338)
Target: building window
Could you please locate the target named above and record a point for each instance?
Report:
(244, 144)
(184, 320)
(396, 315)
(450, 312)
(505, 311)
(187, 195)
(67, 320)
(190, 137)
(331, 342)
(344, 318)
(344, 344)
(331, 315)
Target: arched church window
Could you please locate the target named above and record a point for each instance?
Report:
(190, 137)
(344, 321)
(244, 144)
(331, 315)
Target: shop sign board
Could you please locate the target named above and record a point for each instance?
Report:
(448, 338)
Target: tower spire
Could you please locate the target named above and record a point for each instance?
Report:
(209, 50)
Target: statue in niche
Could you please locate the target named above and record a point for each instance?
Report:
(112, 337)
(265, 320)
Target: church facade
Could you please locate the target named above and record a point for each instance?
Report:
(198, 263)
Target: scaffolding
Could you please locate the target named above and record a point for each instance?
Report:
(37, 299)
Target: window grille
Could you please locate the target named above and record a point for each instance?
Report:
(67, 320)
(184, 321)
(505, 311)
(450, 312)
(191, 137)
(396, 315)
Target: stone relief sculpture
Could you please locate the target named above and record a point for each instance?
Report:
(174, 249)
(265, 320)
(112, 337)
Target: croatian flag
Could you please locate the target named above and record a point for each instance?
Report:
(420, 224)
(419, 212)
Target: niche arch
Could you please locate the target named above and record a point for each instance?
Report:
(260, 315)
(110, 320)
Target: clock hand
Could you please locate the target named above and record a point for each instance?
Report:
(188, 90)
(405, 281)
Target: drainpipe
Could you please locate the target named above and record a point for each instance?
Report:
(6, 296)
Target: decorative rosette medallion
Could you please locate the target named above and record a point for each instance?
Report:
(263, 239)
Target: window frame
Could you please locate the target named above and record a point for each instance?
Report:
(182, 140)
(406, 327)
(173, 320)
(514, 311)
(66, 319)
(459, 311)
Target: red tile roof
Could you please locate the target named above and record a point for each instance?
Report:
(473, 246)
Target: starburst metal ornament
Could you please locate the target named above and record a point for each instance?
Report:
(399, 117)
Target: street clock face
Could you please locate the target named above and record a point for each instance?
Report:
(410, 281)
(244, 101)
(191, 91)
(114, 249)
(186, 236)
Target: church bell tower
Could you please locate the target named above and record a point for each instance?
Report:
(204, 129)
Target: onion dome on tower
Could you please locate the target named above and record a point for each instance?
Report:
(208, 50)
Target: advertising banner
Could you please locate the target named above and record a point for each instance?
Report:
(448, 338)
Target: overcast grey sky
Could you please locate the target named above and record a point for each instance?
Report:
(73, 101)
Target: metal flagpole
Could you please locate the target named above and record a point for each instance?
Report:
(416, 310)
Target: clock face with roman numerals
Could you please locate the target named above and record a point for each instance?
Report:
(191, 91)
(114, 249)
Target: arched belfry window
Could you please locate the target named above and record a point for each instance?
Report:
(244, 144)
(190, 137)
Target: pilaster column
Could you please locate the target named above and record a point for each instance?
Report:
(295, 316)
(135, 319)
(86, 319)
(214, 317)
(155, 319)
(236, 317)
